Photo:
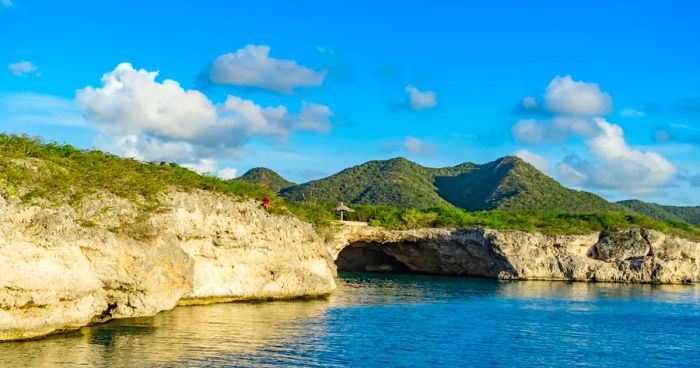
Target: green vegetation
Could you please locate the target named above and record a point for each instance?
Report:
(508, 183)
(549, 222)
(690, 215)
(398, 181)
(32, 169)
(267, 178)
(512, 184)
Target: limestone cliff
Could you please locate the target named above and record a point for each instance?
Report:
(63, 267)
(633, 255)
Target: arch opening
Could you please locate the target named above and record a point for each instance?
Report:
(364, 258)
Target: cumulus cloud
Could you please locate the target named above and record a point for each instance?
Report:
(420, 100)
(252, 66)
(556, 129)
(569, 108)
(130, 101)
(575, 109)
(202, 166)
(313, 117)
(227, 173)
(617, 166)
(419, 147)
(540, 162)
(565, 96)
(23, 68)
(161, 121)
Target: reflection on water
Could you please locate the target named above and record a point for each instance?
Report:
(401, 320)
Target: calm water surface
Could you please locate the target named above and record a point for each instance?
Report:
(401, 320)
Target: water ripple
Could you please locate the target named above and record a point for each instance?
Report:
(401, 321)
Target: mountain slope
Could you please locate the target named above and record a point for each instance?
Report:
(266, 177)
(508, 183)
(398, 181)
(511, 183)
(690, 215)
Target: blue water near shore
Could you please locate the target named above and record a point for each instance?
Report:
(379, 320)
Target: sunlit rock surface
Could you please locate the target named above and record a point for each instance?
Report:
(631, 255)
(64, 267)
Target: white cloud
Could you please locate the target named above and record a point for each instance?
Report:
(420, 100)
(556, 129)
(252, 66)
(246, 117)
(530, 130)
(632, 113)
(227, 173)
(313, 117)
(6, 2)
(202, 166)
(617, 166)
(576, 108)
(131, 102)
(541, 163)
(34, 108)
(565, 96)
(23, 68)
(152, 149)
(419, 147)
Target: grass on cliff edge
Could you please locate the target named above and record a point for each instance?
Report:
(548, 222)
(32, 169)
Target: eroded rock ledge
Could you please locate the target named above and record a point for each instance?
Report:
(65, 267)
(632, 255)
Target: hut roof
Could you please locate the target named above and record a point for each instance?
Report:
(343, 208)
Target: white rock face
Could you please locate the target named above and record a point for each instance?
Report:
(62, 268)
(636, 255)
(243, 252)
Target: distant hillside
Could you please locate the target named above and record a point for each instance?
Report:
(267, 178)
(508, 183)
(398, 181)
(511, 183)
(690, 215)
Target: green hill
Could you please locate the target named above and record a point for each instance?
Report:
(508, 183)
(266, 177)
(398, 182)
(690, 215)
(511, 183)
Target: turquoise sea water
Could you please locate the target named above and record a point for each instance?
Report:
(379, 320)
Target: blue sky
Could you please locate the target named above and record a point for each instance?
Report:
(603, 96)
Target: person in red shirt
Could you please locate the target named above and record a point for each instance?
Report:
(266, 202)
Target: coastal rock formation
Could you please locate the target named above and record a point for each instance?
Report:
(631, 255)
(65, 267)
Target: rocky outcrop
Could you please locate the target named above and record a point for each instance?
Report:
(63, 267)
(68, 266)
(630, 255)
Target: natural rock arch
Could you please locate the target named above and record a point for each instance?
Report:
(368, 257)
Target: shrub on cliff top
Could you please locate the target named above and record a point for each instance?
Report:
(32, 169)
